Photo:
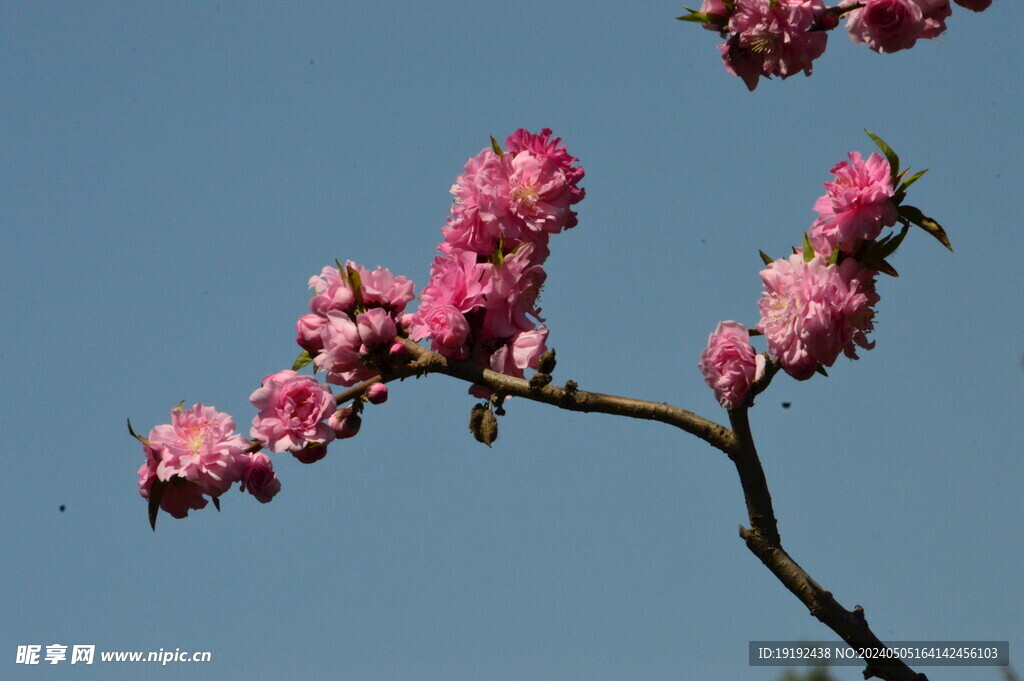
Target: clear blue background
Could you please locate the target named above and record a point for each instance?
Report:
(171, 174)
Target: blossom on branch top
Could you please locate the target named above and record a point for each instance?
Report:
(811, 311)
(856, 206)
(893, 25)
(772, 38)
(729, 364)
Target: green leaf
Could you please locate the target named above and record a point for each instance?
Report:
(497, 257)
(766, 258)
(178, 406)
(156, 495)
(496, 147)
(705, 18)
(302, 360)
(911, 180)
(821, 370)
(136, 435)
(889, 245)
(833, 258)
(808, 249)
(890, 155)
(216, 503)
(926, 223)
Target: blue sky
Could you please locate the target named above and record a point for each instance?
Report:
(172, 174)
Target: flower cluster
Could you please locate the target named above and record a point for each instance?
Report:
(820, 303)
(353, 321)
(765, 38)
(199, 455)
(481, 299)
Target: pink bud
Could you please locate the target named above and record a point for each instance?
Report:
(307, 330)
(397, 349)
(345, 423)
(377, 393)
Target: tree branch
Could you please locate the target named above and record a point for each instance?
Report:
(764, 542)
(762, 538)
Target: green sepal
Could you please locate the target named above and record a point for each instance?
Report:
(156, 495)
(302, 360)
(766, 258)
(355, 282)
(179, 406)
(833, 258)
(496, 147)
(705, 18)
(890, 155)
(808, 249)
(497, 257)
(135, 435)
(216, 503)
(926, 223)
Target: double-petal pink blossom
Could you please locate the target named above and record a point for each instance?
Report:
(729, 364)
(200, 446)
(293, 410)
(812, 311)
(856, 206)
(892, 25)
(773, 38)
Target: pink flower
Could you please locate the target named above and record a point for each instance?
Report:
(856, 206)
(293, 408)
(812, 311)
(341, 354)
(376, 328)
(773, 37)
(380, 288)
(540, 193)
(543, 145)
(179, 497)
(516, 286)
(893, 25)
(259, 478)
(200, 446)
(975, 5)
(479, 216)
(445, 325)
(522, 352)
(457, 279)
(729, 364)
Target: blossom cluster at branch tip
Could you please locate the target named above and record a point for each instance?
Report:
(765, 38)
(198, 455)
(820, 301)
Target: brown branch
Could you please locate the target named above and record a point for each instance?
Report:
(763, 536)
(764, 542)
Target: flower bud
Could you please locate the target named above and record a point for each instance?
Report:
(310, 453)
(377, 393)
